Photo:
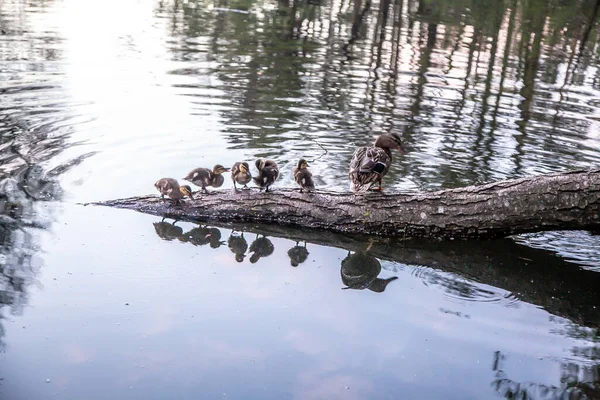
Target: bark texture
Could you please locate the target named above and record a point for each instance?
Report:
(560, 201)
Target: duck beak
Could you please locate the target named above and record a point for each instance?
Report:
(401, 149)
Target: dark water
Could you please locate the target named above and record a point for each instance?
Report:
(99, 99)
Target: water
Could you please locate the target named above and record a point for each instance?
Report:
(99, 99)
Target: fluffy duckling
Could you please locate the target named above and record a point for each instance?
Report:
(370, 164)
(204, 177)
(170, 187)
(303, 177)
(268, 171)
(240, 173)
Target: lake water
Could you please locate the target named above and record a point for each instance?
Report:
(100, 99)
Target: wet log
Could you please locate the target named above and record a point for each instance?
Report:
(561, 201)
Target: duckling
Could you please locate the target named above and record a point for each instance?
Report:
(261, 247)
(303, 177)
(240, 173)
(298, 254)
(238, 245)
(268, 171)
(204, 177)
(170, 187)
(370, 164)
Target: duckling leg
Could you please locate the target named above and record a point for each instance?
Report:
(246, 187)
(234, 187)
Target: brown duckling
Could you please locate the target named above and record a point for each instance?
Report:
(303, 177)
(268, 171)
(238, 246)
(204, 177)
(170, 187)
(371, 164)
(240, 173)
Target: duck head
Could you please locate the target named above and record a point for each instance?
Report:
(219, 169)
(302, 163)
(390, 141)
(186, 190)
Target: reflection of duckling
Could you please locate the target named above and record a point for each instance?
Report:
(298, 254)
(303, 177)
(200, 236)
(238, 246)
(170, 187)
(261, 247)
(268, 171)
(360, 270)
(204, 177)
(167, 231)
(240, 173)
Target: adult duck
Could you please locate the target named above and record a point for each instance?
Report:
(371, 164)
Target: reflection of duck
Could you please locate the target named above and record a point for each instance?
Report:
(268, 171)
(204, 177)
(170, 187)
(238, 246)
(167, 231)
(200, 236)
(261, 247)
(298, 254)
(370, 164)
(360, 270)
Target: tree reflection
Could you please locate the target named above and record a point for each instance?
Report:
(469, 83)
(577, 382)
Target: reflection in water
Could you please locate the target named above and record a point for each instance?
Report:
(578, 382)
(238, 246)
(203, 235)
(168, 231)
(261, 247)
(360, 271)
(298, 254)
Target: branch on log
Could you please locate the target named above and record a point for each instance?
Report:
(563, 201)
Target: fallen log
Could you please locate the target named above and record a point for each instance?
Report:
(561, 201)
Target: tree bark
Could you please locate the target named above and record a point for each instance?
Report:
(563, 201)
